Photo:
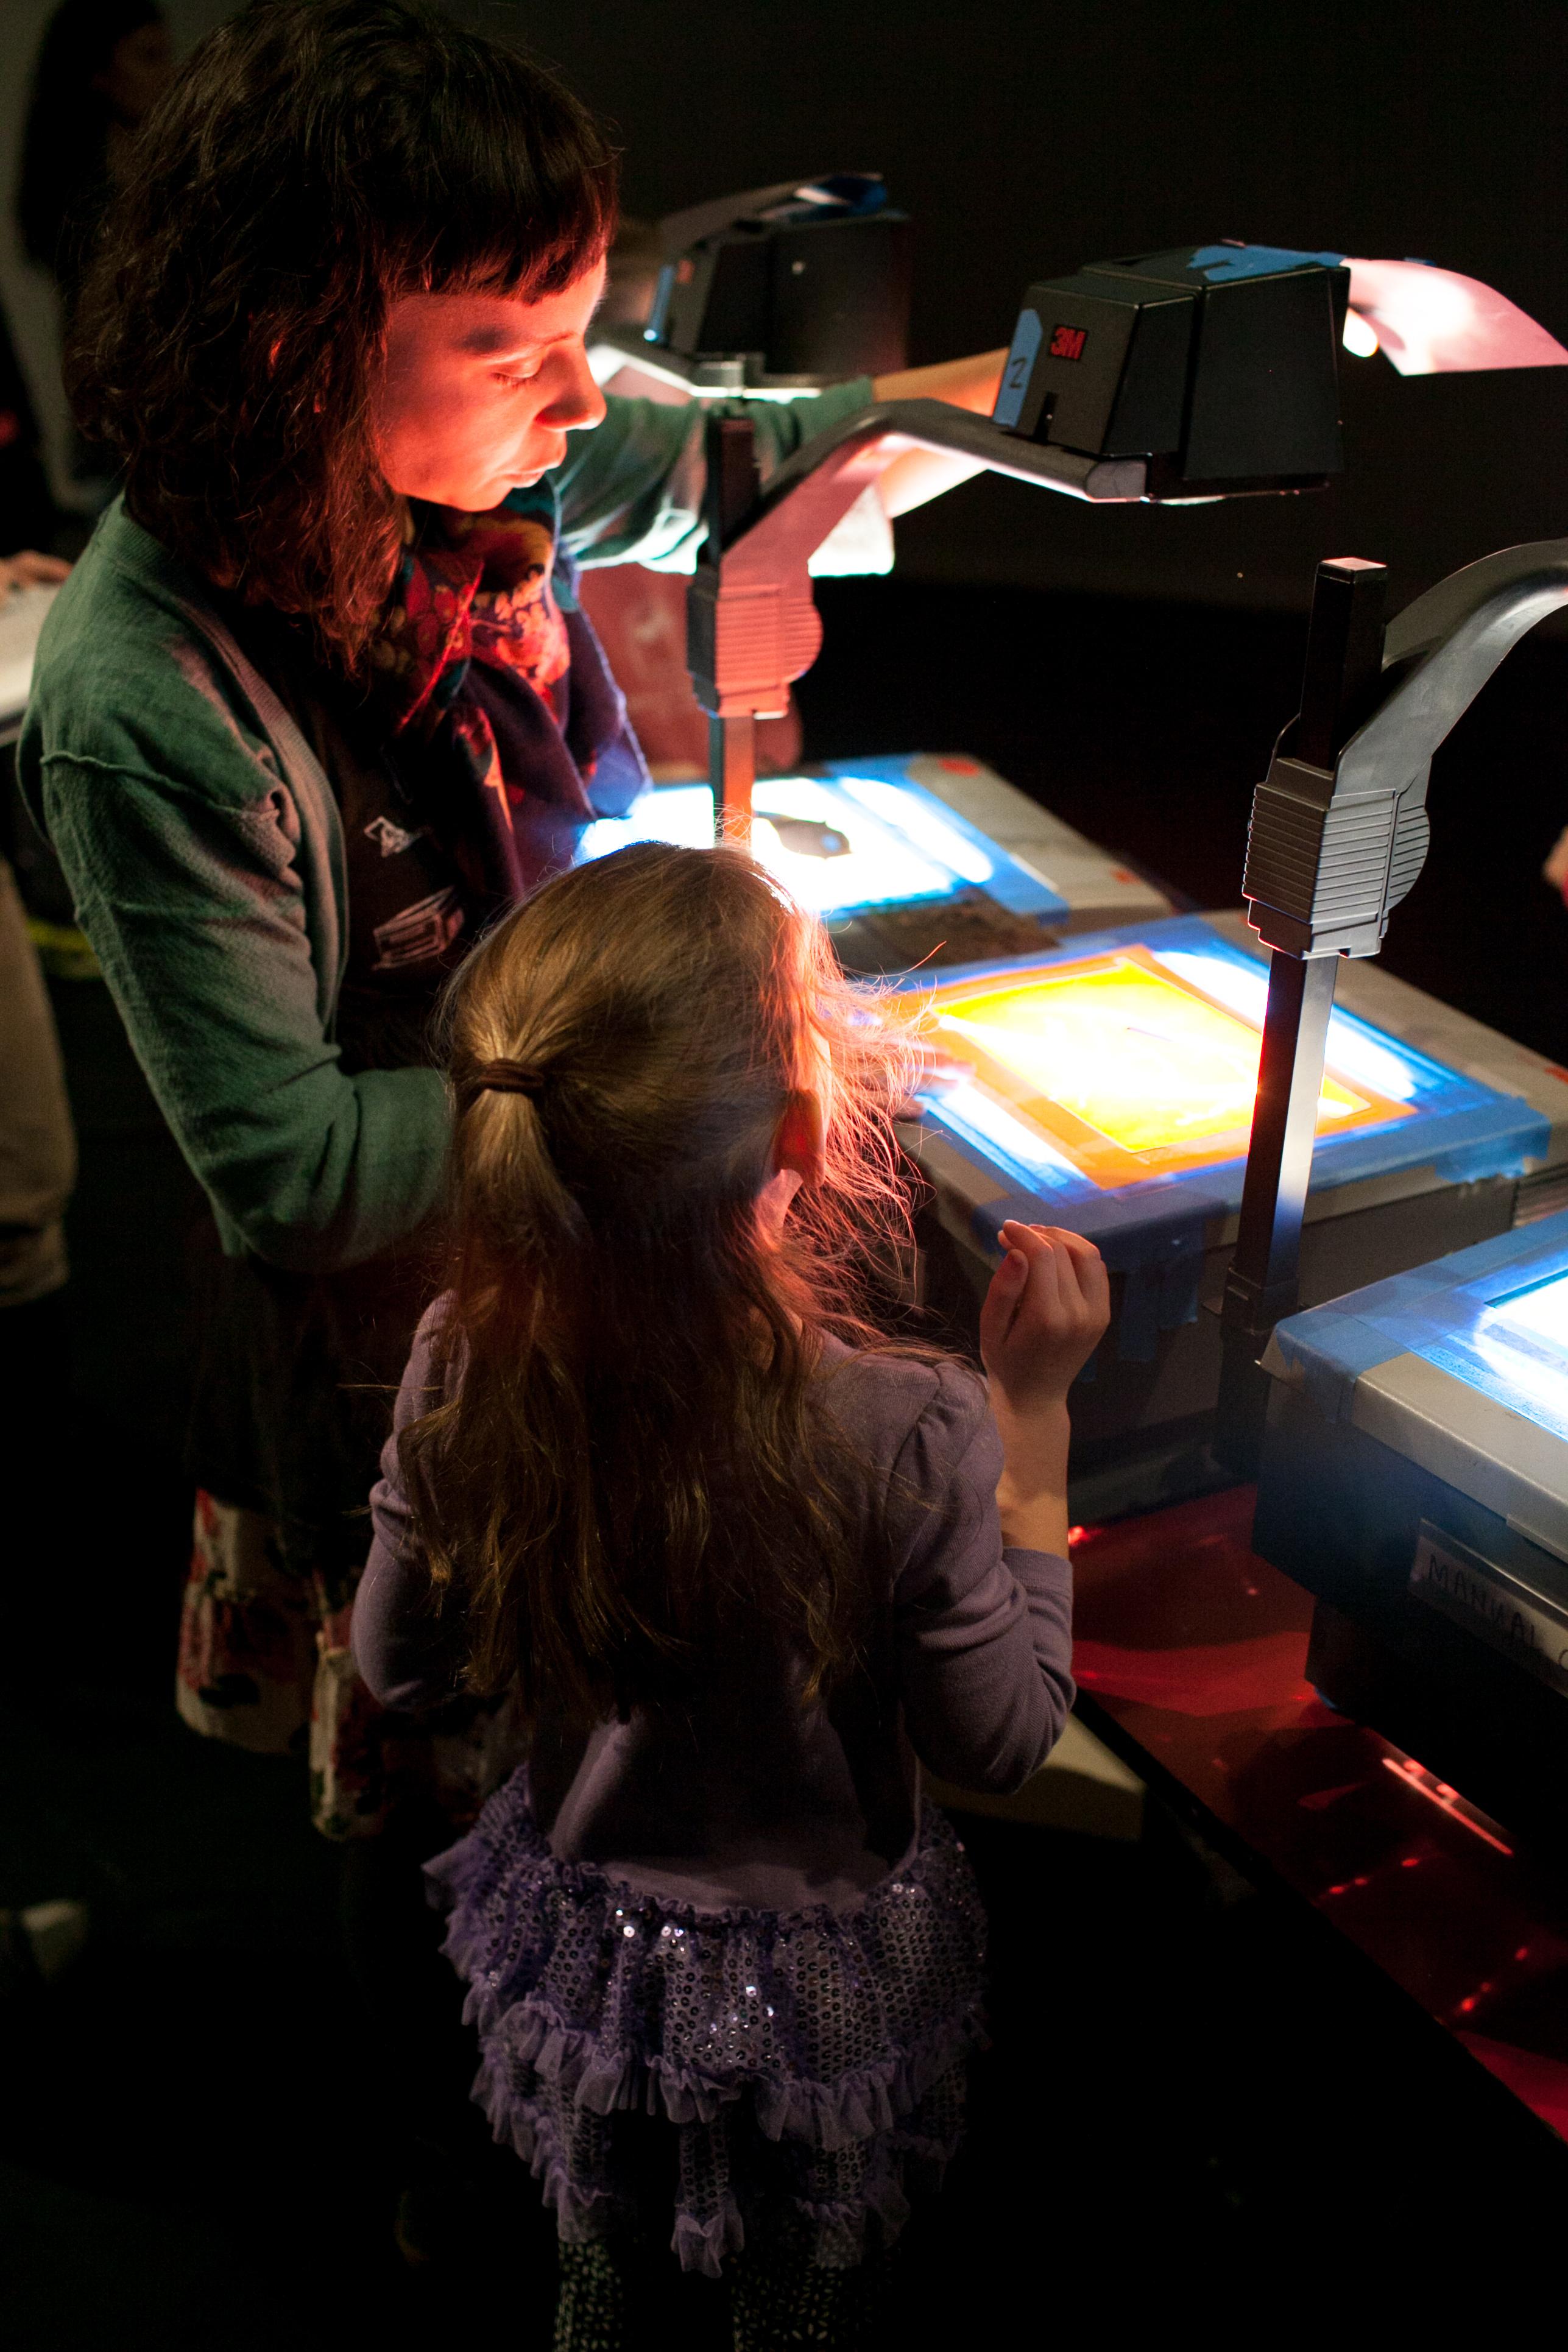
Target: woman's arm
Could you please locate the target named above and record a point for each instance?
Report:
(196, 915)
(183, 846)
(631, 490)
(925, 474)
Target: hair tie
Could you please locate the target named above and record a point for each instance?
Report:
(511, 1079)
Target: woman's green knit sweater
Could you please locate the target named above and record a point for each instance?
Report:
(202, 843)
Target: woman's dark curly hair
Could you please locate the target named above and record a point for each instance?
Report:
(314, 160)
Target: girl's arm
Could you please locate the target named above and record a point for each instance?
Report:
(983, 1632)
(983, 1601)
(410, 1657)
(1044, 1316)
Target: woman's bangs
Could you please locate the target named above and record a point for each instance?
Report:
(520, 266)
(511, 219)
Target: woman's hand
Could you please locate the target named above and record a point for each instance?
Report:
(1045, 1314)
(924, 474)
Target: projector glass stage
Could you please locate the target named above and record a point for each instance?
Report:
(1521, 1342)
(900, 879)
(850, 841)
(1127, 1065)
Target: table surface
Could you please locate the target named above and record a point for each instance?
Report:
(1193, 1652)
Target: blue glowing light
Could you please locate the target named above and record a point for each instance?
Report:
(847, 839)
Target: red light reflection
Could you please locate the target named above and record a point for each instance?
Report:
(1447, 1800)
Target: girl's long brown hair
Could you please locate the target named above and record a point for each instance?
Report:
(313, 160)
(631, 1461)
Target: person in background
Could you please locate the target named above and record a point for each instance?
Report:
(747, 1566)
(29, 518)
(37, 1150)
(37, 1170)
(101, 68)
(29, 568)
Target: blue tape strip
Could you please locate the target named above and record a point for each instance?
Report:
(1220, 263)
(1464, 1143)
(1327, 1351)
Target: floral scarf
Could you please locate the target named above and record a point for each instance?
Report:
(484, 657)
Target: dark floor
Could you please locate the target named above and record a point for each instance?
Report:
(1199, 2109)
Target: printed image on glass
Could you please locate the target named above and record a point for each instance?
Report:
(835, 843)
(1125, 1067)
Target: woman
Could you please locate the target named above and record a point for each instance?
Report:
(317, 703)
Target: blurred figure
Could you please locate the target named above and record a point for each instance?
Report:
(37, 1168)
(28, 516)
(101, 68)
(37, 1155)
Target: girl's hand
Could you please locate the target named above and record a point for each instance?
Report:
(1044, 1315)
(935, 1072)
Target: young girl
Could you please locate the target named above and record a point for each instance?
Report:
(747, 1569)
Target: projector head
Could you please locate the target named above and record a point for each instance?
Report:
(781, 290)
(1218, 364)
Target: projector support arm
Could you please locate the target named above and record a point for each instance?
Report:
(751, 620)
(1339, 836)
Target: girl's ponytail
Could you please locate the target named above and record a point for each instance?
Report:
(632, 1456)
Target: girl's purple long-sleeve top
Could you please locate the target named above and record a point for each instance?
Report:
(746, 1795)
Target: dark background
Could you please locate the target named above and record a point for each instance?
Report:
(1130, 665)
(1028, 140)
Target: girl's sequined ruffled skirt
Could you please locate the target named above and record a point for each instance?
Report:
(812, 2062)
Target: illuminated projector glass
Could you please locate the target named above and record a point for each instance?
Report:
(1127, 1068)
(1131, 1057)
(857, 836)
(1493, 1318)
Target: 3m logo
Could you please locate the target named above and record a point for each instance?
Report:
(1067, 342)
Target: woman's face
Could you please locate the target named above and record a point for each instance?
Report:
(476, 392)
